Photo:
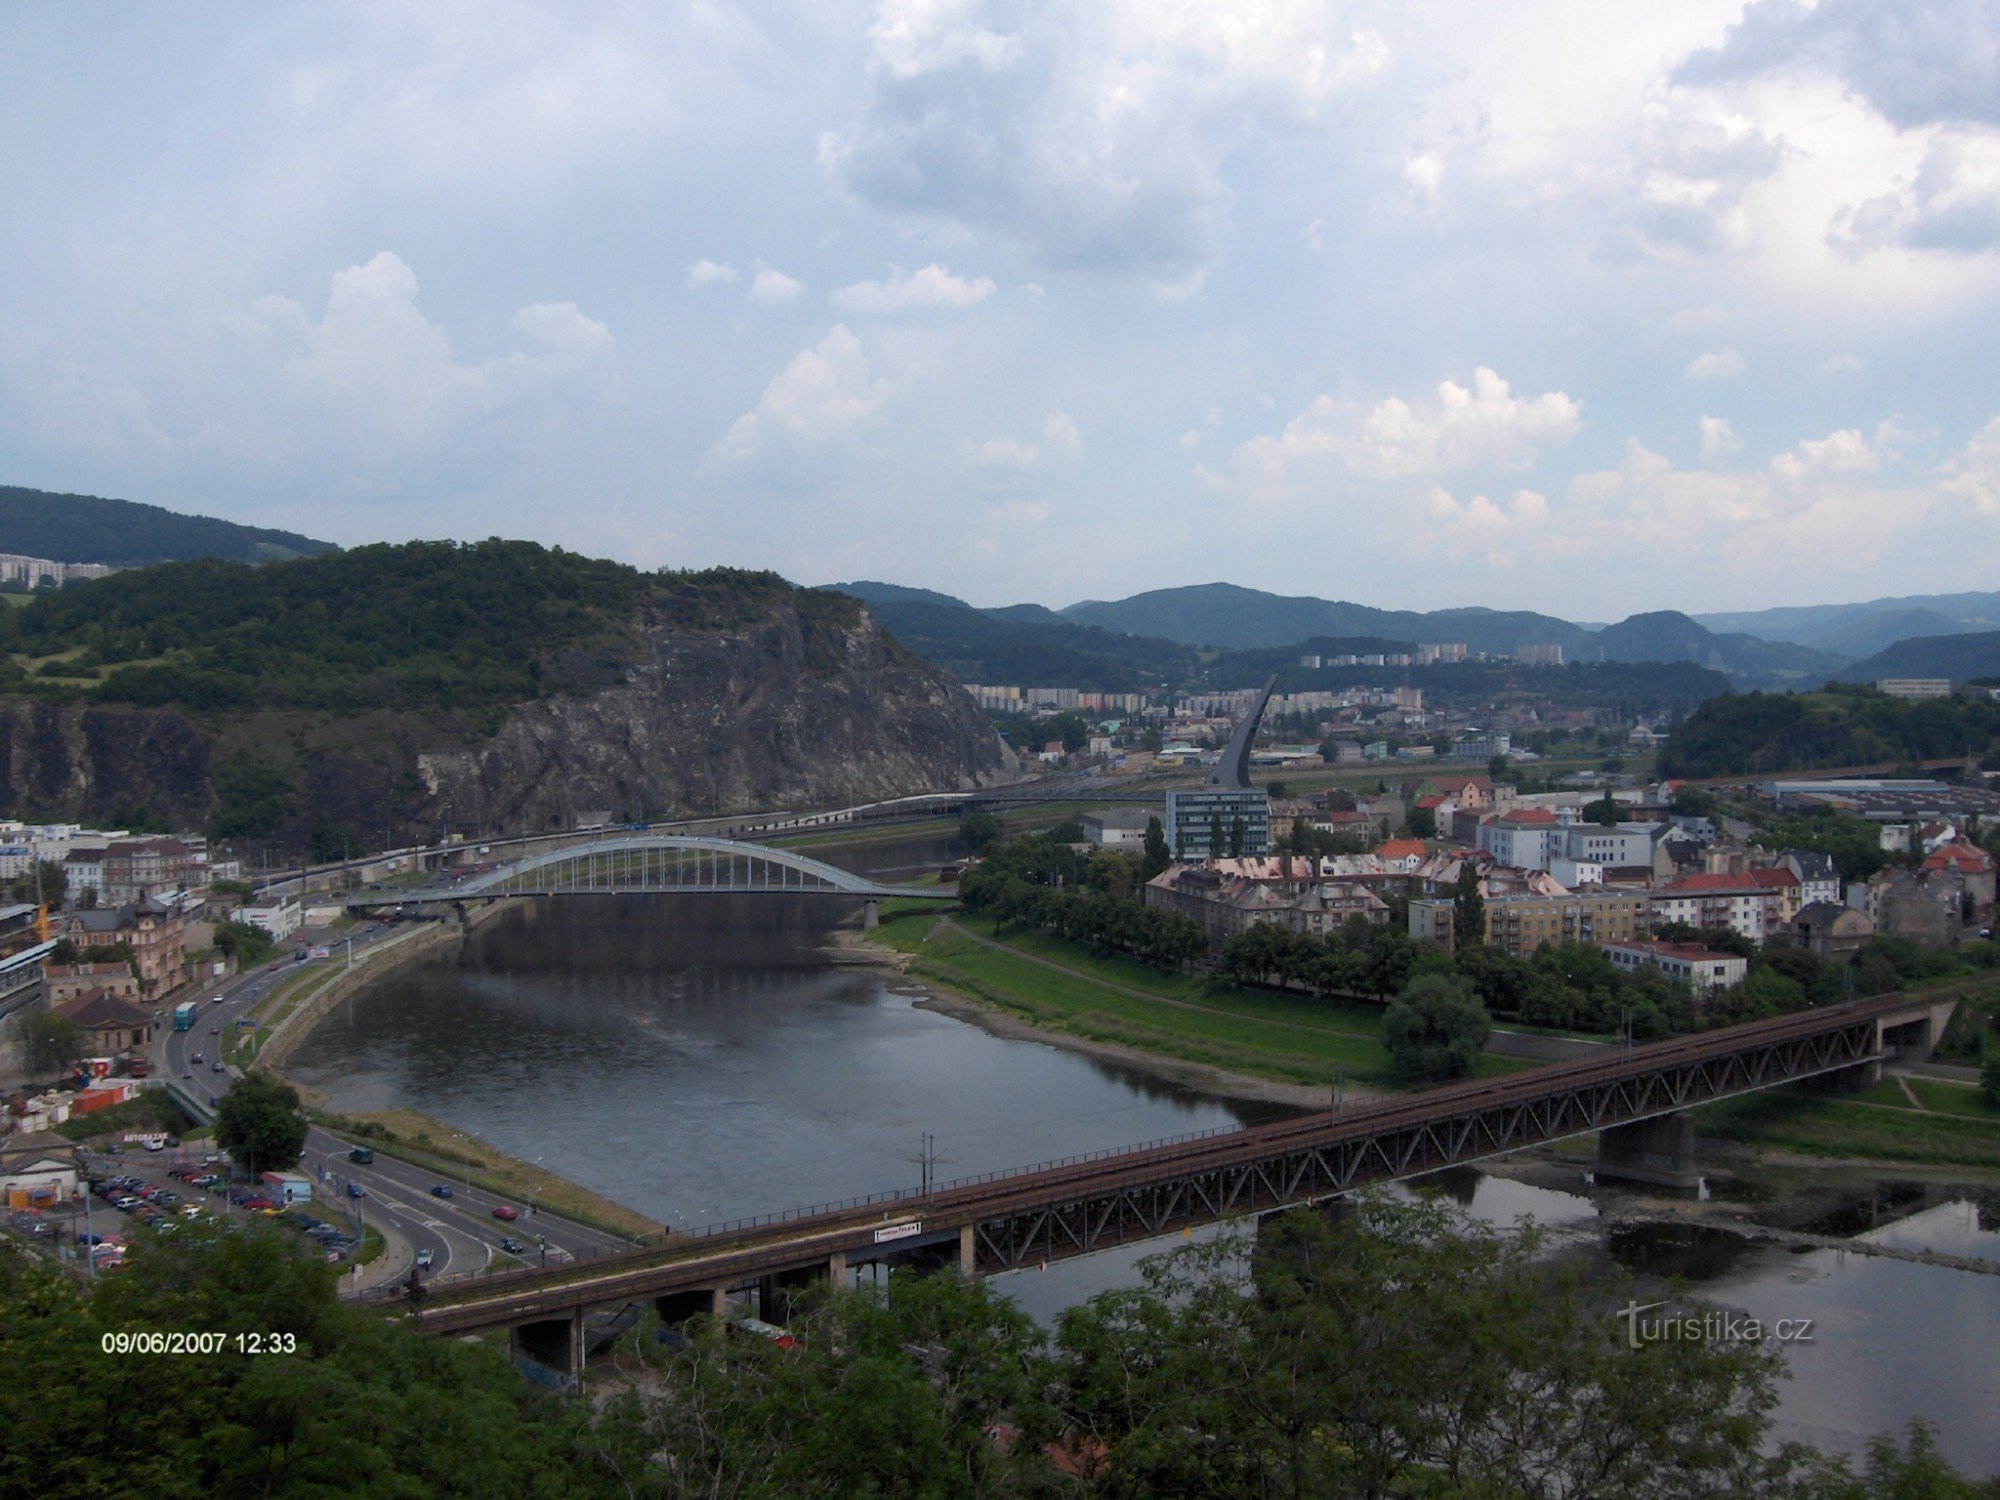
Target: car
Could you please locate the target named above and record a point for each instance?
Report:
(88, 1237)
(441, 1190)
(216, 1066)
(194, 1057)
(215, 1029)
(506, 1212)
(511, 1245)
(257, 1203)
(423, 1260)
(356, 1190)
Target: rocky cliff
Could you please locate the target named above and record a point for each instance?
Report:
(780, 699)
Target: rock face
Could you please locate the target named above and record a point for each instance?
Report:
(110, 765)
(783, 712)
(788, 708)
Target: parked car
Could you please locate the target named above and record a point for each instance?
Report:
(441, 1190)
(507, 1212)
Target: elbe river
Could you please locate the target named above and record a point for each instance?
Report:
(701, 1059)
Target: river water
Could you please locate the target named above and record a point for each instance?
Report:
(700, 1059)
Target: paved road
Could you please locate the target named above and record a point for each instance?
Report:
(461, 1232)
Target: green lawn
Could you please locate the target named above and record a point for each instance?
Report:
(1816, 1124)
(1293, 1039)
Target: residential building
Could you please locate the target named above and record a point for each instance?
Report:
(1196, 814)
(111, 1025)
(152, 928)
(37, 1169)
(67, 981)
(1915, 687)
(144, 867)
(1625, 845)
(1539, 656)
(1819, 879)
(282, 918)
(1520, 924)
(1927, 907)
(1832, 931)
(1522, 837)
(1118, 828)
(1972, 864)
(1229, 896)
(1786, 894)
(1717, 900)
(1703, 968)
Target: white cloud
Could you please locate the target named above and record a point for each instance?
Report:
(1842, 452)
(1059, 435)
(1093, 134)
(1718, 439)
(1950, 203)
(1484, 426)
(931, 287)
(1424, 173)
(773, 287)
(711, 273)
(1717, 364)
(380, 373)
(825, 392)
(1495, 533)
(1973, 473)
(1021, 512)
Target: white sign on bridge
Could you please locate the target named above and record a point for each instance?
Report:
(898, 1231)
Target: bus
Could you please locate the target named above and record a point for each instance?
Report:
(184, 1016)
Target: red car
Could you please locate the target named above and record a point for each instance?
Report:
(505, 1211)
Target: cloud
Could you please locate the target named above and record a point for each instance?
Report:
(1092, 134)
(931, 287)
(1717, 364)
(1493, 532)
(1973, 473)
(1484, 426)
(1059, 435)
(825, 392)
(711, 273)
(375, 371)
(1718, 439)
(773, 287)
(1915, 62)
(1951, 203)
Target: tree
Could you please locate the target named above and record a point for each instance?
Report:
(1236, 834)
(1496, 768)
(979, 831)
(49, 1042)
(1157, 857)
(1989, 1079)
(1435, 1029)
(1468, 907)
(259, 1123)
(1423, 822)
(1217, 840)
(243, 942)
(1603, 812)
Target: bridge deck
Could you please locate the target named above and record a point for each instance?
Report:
(1050, 1212)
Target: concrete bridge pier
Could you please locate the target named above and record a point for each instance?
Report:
(776, 1292)
(1659, 1152)
(676, 1308)
(552, 1345)
(871, 915)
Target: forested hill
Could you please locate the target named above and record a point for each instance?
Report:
(125, 533)
(497, 686)
(1959, 657)
(1761, 733)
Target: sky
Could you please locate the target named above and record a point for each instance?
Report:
(1589, 308)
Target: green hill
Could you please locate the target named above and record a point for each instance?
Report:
(1959, 657)
(127, 534)
(1759, 733)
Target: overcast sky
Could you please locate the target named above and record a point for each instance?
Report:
(1589, 307)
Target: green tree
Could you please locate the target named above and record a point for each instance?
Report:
(1435, 1030)
(1236, 836)
(1468, 907)
(979, 831)
(243, 942)
(1989, 1079)
(1423, 822)
(1157, 857)
(49, 1042)
(1217, 839)
(259, 1123)
(1496, 768)
(1603, 812)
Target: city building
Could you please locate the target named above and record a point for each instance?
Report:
(110, 1025)
(1832, 931)
(1519, 924)
(1701, 967)
(1735, 901)
(280, 918)
(1915, 687)
(150, 926)
(1118, 828)
(1525, 837)
(1196, 816)
(1230, 896)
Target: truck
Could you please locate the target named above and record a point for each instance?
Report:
(184, 1016)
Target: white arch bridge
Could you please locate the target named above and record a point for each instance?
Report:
(659, 863)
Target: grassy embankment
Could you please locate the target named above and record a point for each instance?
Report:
(458, 1157)
(1292, 1039)
(1955, 1126)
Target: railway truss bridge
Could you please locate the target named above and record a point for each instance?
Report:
(1635, 1100)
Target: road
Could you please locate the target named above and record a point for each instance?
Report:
(460, 1231)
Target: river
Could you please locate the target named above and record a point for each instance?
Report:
(701, 1059)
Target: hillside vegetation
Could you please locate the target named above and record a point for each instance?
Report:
(1756, 733)
(124, 533)
(428, 627)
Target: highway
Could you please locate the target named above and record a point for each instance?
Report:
(460, 1231)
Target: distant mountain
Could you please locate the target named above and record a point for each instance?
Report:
(893, 593)
(125, 533)
(1959, 657)
(975, 646)
(1668, 635)
(1859, 629)
(1226, 615)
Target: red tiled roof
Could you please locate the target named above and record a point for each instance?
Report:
(1400, 848)
(1526, 817)
(1774, 879)
(1692, 885)
(1437, 801)
(1957, 856)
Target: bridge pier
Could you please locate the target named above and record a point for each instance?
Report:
(1659, 1152)
(676, 1308)
(553, 1347)
(871, 915)
(777, 1292)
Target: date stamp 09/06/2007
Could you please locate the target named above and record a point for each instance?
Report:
(155, 1341)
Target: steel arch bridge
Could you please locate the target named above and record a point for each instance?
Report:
(663, 864)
